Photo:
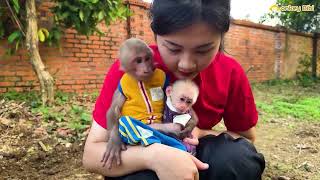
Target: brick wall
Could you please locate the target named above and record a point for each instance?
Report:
(81, 64)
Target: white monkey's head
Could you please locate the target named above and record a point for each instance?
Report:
(183, 94)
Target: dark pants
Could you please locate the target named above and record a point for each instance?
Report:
(228, 159)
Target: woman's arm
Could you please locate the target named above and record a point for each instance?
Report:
(250, 134)
(167, 162)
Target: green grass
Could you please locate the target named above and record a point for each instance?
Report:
(288, 99)
(306, 108)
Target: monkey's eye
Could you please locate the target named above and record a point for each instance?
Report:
(148, 58)
(182, 99)
(139, 60)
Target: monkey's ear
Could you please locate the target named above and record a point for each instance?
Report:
(168, 90)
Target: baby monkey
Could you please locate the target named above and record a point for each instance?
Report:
(181, 96)
(143, 83)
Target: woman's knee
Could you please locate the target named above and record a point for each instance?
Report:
(229, 158)
(141, 175)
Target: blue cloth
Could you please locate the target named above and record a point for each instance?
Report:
(135, 132)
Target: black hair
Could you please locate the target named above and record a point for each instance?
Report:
(172, 15)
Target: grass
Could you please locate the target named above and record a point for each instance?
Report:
(288, 99)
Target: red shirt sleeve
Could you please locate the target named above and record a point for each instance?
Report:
(240, 113)
(104, 100)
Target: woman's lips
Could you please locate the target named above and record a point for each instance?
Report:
(186, 74)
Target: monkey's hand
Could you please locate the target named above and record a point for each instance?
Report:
(113, 149)
(186, 132)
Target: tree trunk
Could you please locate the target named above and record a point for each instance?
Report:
(32, 41)
(314, 55)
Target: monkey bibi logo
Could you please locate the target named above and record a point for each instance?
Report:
(274, 8)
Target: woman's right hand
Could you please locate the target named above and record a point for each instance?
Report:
(172, 163)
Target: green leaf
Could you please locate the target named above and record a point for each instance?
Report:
(16, 5)
(100, 15)
(13, 36)
(17, 45)
(94, 1)
(81, 15)
(85, 117)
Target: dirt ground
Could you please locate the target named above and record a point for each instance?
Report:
(291, 150)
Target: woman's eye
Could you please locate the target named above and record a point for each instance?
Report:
(182, 99)
(204, 51)
(174, 50)
(188, 102)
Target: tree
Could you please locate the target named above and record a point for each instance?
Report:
(82, 15)
(291, 15)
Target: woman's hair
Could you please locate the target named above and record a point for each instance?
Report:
(168, 16)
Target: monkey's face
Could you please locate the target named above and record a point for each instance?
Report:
(141, 66)
(182, 100)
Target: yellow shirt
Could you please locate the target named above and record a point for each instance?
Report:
(144, 99)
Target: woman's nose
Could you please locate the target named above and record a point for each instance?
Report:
(186, 63)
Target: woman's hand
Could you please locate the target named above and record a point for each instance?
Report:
(171, 163)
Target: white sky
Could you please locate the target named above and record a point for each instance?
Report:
(249, 9)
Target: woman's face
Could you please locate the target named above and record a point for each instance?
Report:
(190, 50)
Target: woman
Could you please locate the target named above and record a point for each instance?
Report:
(189, 37)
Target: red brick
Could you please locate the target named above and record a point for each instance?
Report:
(6, 84)
(94, 55)
(105, 38)
(81, 81)
(68, 54)
(105, 47)
(81, 55)
(93, 46)
(29, 78)
(69, 36)
(17, 89)
(73, 49)
(72, 40)
(81, 37)
(87, 50)
(90, 86)
(98, 51)
(68, 45)
(94, 38)
(98, 42)
(64, 87)
(81, 46)
(3, 90)
(86, 42)
(72, 59)
(77, 86)
(12, 78)
(86, 59)
(7, 73)
(68, 82)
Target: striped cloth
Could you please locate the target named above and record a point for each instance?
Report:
(135, 132)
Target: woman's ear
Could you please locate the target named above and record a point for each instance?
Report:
(168, 90)
(121, 68)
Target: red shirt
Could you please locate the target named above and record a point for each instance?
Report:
(225, 93)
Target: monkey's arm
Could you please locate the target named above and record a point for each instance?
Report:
(167, 128)
(113, 113)
(192, 123)
(114, 144)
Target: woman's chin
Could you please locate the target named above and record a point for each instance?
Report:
(184, 76)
